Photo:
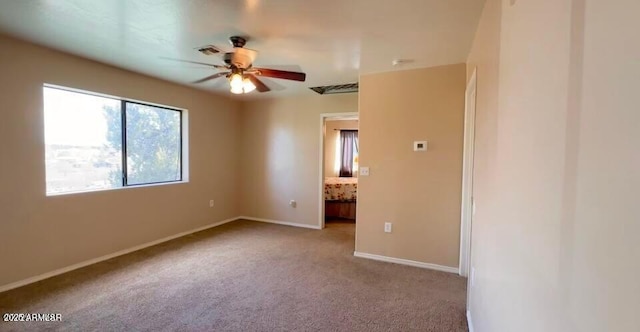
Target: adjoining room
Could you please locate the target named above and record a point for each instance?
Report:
(340, 190)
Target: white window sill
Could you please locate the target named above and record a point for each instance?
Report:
(118, 188)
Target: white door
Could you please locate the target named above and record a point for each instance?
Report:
(468, 208)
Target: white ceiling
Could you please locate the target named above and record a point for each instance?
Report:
(333, 41)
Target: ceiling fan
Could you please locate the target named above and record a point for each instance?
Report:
(239, 70)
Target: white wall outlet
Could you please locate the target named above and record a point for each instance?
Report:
(473, 276)
(364, 171)
(212, 203)
(387, 227)
(293, 203)
(420, 146)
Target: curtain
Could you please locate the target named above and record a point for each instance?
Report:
(349, 145)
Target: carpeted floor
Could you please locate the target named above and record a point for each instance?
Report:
(246, 276)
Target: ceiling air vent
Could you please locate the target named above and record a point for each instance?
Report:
(208, 50)
(331, 89)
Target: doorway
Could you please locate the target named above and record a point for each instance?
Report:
(339, 154)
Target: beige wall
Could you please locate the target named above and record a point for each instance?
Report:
(280, 151)
(484, 58)
(39, 234)
(332, 135)
(606, 223)
(555, 232)
(419, 192)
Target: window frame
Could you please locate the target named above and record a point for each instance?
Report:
(183, 122)
(355, 165)
(123, 114)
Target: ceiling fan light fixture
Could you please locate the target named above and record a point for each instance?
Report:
(247, 85)
(235, 80)
(236, 90)
(240, 84)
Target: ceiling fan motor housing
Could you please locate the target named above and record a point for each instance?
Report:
(238, 60)
(237, 41)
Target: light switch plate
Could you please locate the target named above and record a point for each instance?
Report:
(364, 171)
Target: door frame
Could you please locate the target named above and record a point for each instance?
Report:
(323, 118)
(468, 205)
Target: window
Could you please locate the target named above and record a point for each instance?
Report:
(348, 153)
(98, 143)
(338, 156)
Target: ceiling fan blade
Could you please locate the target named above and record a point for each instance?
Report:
(197, 63)
(282, 74)
(214, 76)
(260, 86)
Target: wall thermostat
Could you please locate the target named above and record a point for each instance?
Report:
(420, 146)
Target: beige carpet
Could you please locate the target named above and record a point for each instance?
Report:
(246, 276)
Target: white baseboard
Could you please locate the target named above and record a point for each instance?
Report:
(406, 262)
(469, 321)
(286, 223)
(76, 266)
